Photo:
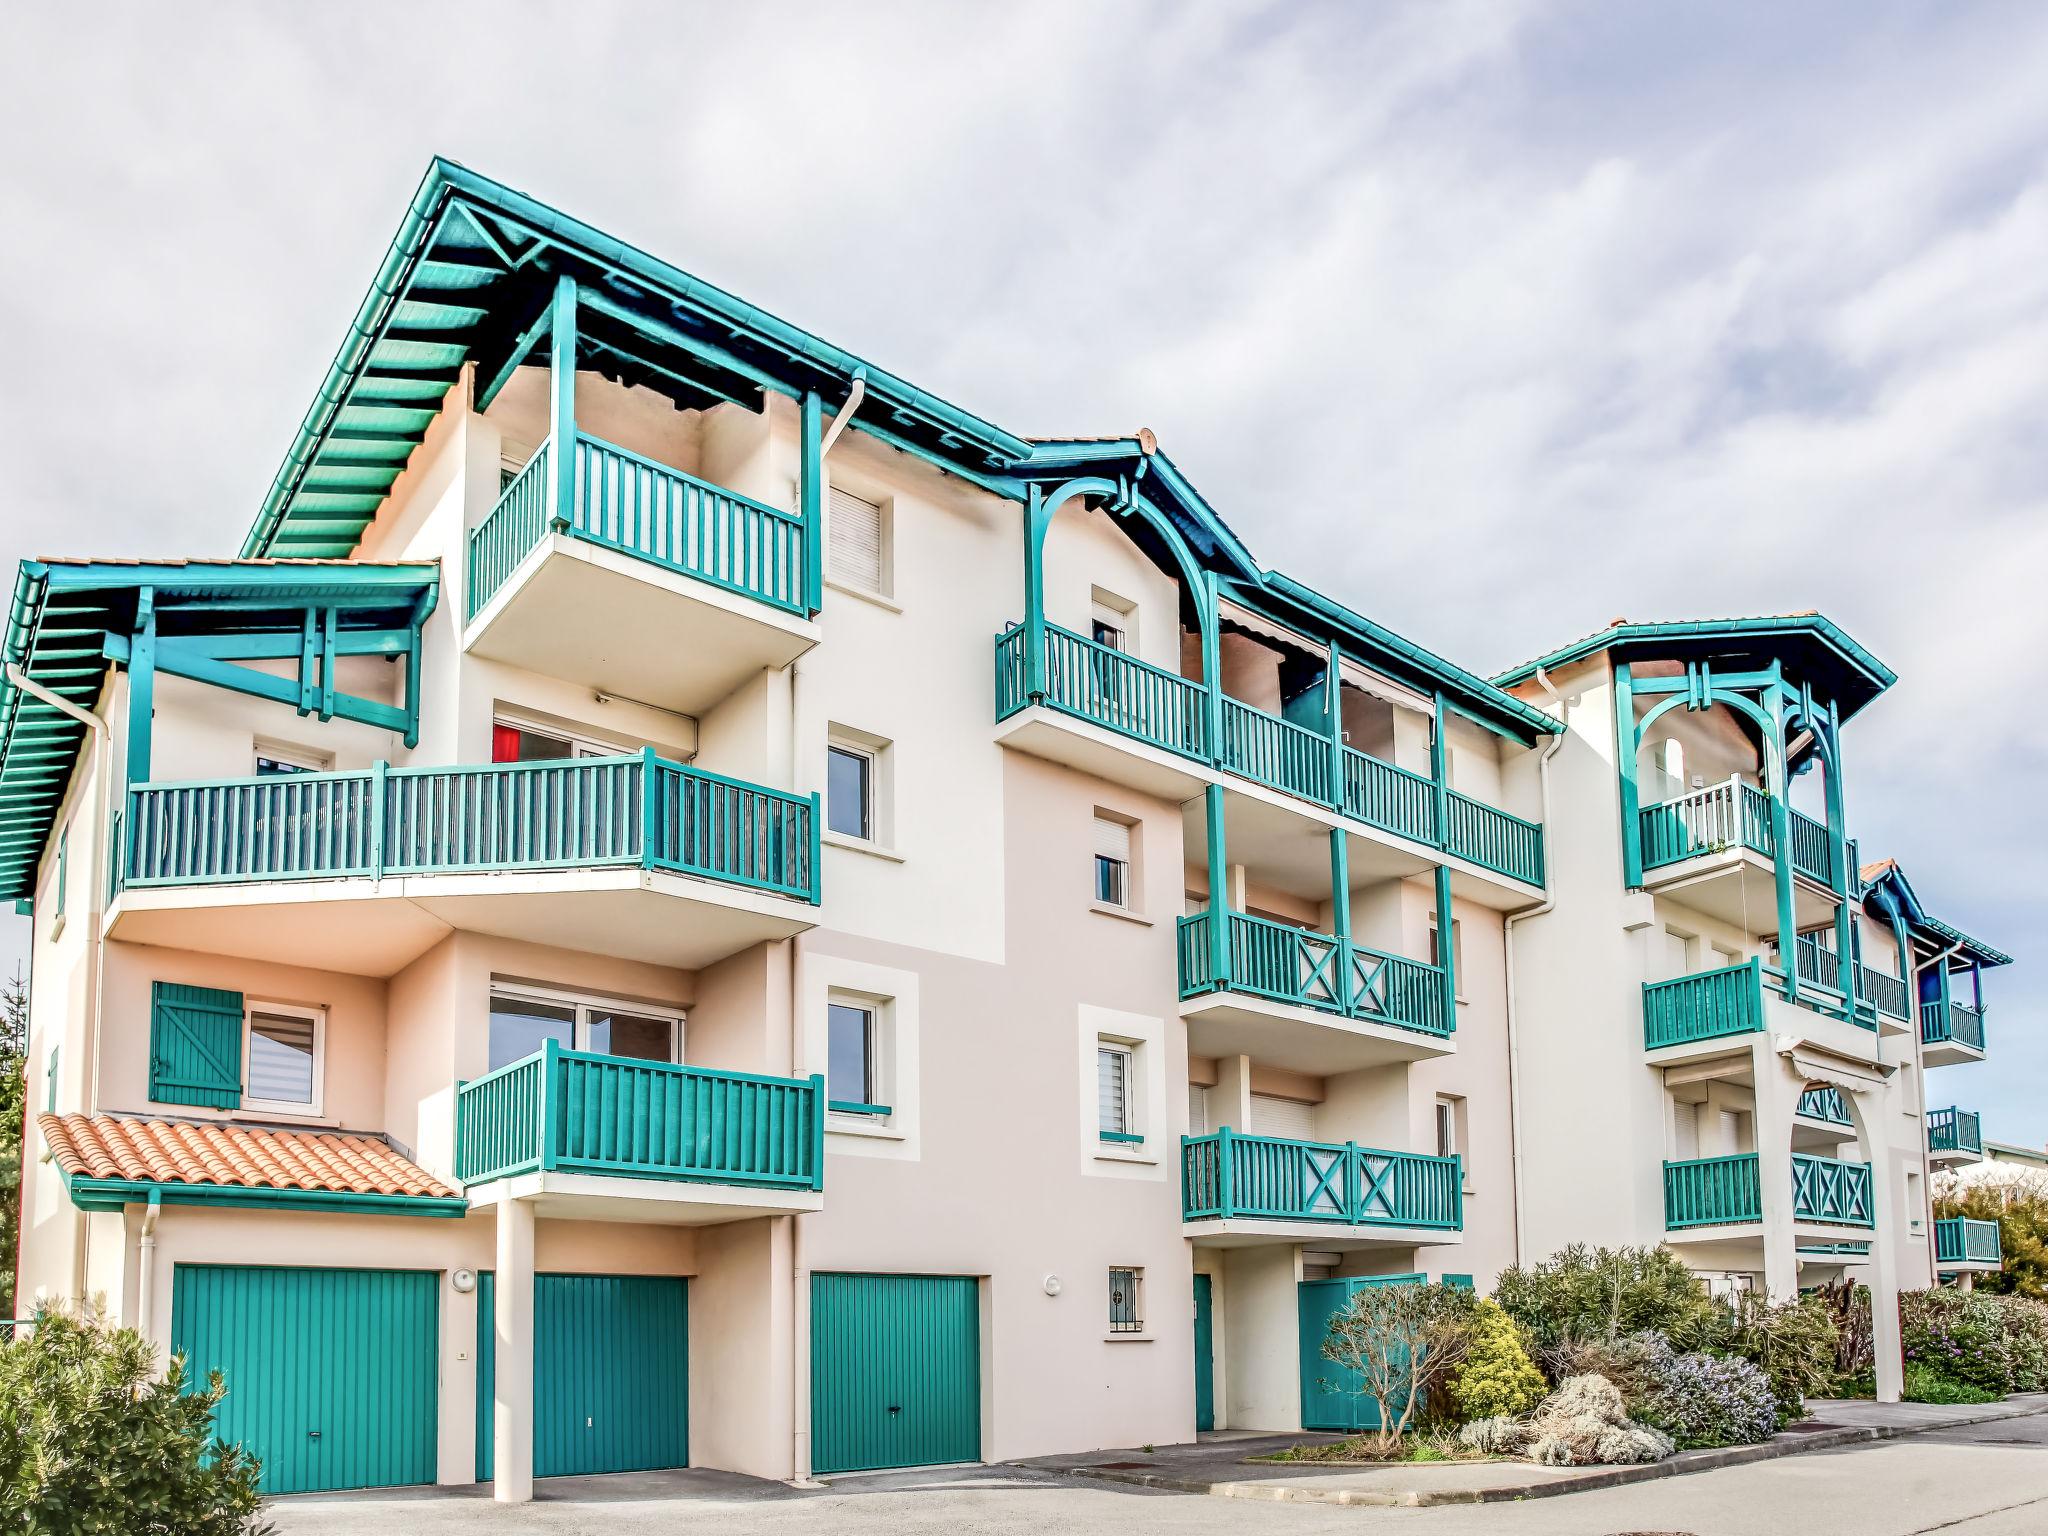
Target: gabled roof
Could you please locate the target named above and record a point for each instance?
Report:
(1885, 878)
(111, 1160)
(1812, 647)
(62, 612)
(467, 278)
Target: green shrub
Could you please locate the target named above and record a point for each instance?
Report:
(1957, 1334)
(96, 1441)
(2026, 1341)
(1498, 1376)
(1795, 1343)
(1580, 1295)
(2017, 1199)
(1704, 1400)
(1924, 1384)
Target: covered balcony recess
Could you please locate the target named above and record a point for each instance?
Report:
(1239, 1190)
(634, 856)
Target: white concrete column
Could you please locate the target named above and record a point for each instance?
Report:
(1886, 1204)
(1777, 1100)
(512, 1331)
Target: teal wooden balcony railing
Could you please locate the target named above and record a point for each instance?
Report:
(1951, 1023)
(572, 1111)
(1712, 1191)
(1810, 851)
(1827, 1189)
(1961, 1240)
(1314, 970)
(593, 811)
(1104, 686)
(1229, 1176)
(1704, 1006)
(1954, 1130)
(1824, 1104)
(1727, 815)
(650, 511)
(1886, 992)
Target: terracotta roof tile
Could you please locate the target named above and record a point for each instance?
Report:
(1870, 872)
(248, 1157)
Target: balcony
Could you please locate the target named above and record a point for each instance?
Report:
(1950, 1034)
(1726, 827)
(1707, 1010)
(633, 856)
(607, 1137)
(645, 551)
(1954, 1137)
(1241, 1190)
(1167, 714)
(1885, 992)
(1963, 1244)
(1727, 1191)
(1306, 1001)
(1822, 1121)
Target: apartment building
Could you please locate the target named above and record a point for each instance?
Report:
(683, 901)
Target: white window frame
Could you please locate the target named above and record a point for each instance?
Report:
(1117, 614)
(587, 1003)
(1131, 1132)
(304, 758)
(881, 1078)
(314, 1110)
(1457, 952)
(580, 745)
(1128, 864)
(880, 755)
(885, 544)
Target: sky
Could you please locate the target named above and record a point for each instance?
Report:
(1497, 321)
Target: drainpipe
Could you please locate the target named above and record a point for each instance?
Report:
(145, 1306)
(799, 1276)
(95, 908)
(1550, 750)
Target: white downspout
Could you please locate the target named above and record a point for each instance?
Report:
(95, 909)
(145, 1304)
(1550, 750)
(799, 1276)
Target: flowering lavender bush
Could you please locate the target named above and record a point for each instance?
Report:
(1702, 1400)
(2026, 1341)
(1957, 1334)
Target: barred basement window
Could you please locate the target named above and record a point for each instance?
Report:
(1125, 1314)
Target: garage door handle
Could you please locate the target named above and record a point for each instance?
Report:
(895, 1408)
(312, 1434)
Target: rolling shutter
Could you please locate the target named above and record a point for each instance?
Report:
(1289, 1118)
(195, 1046)
(856, 534)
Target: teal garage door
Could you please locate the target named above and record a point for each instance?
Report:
(895, 1371)
(332, 1374)
(611, 1374)
(1329, 1395)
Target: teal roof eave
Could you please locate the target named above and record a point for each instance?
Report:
(1923, 922)
(308, 580)
(1052, 459)
(445, 181)
(1479, 696)
(1875, 673)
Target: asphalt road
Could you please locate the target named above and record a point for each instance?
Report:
(1990, 1480)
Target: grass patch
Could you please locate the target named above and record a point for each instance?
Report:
(1924, 1385)
(1419, 1448)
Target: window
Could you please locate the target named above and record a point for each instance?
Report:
(856, 558)
(275, 760)
(1450, 1128)
(850, 792)
(523, 1021)
(1126, 1315)
(1109, 626)
(1112, 861)
(63, 868)
(1198, 1110)
(1114, 1119)
(852, 1065)
(281, 1060)
(515, 742)
(1457, 949)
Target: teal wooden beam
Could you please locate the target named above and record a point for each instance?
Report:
(1340, 901)
(141, 686)
(811, 497)
(1212, 667)
(1034, 597)
(562, 406)
(528, 340)
(1446, 949)
(1333, 713)
(1777, 783)
(260, 685)
(1219, 893)
(1627, 742)
(1440, 769)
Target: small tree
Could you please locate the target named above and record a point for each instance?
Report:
(2016, 1197)
(1582, 1295)
(1399, 1342)
(1497, 1377)
(95, 1440)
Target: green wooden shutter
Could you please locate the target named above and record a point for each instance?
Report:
(195, 1046)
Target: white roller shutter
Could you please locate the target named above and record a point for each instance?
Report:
(1289, 1118)
(856, 530)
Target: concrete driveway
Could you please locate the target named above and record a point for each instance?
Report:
(1988, 1480)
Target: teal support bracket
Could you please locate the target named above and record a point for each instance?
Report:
(141, 685)
(562, 406)
(810, 497)
(1625, 748)
(1219, 895)
(521, 350)
(1446, 949)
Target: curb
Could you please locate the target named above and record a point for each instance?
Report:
(1786, 1443)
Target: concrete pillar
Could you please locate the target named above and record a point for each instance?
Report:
(1777, 1100)
(1886, 1204)
(512, 1333)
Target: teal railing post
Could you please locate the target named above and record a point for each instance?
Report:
(380, 784)
(811, 497)
(1219, 896)
(1446, 949)
(1340, 914)
(561, 497)
(650, 806)
(1625, 745)
(1226, 1191)
(817, 1130)
(550, 1104)
(1034, 596)
(1354, 1184)
(1439, 772)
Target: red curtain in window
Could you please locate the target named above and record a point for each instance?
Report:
(504, 743)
